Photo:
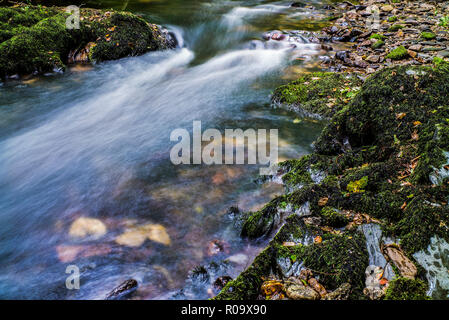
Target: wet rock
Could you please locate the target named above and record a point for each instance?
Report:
(38, 42)
(341, 55)
(327, 47)
(221, 282)
(373, 58)
(341, 293)
(415, 47)
(434, 260)
(278, 36)
(136, 236)
(124, 290)
(69, 253)
(400, 260)
(271, 287)
(387, 8)
(81, 55)
(318, 287)
(296, 290)
(84, 227)
(443, 54)
(412, 53)
(238, 259)
(374, 289)
(217, 246)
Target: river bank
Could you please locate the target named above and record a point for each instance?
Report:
(366, 214)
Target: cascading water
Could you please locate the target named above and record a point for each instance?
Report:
(96, 144)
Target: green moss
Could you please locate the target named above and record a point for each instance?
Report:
(34, 39)
(406, 289)
(334, 218)
(336, 260)
(247, 285)
(377, 36)
(318, 93)
(38, 49)
(262, 222)
(428, 35)
(392, 19)
(378, 44)
(385, 142)
(398, 54)
(395, 27)
(358, 185)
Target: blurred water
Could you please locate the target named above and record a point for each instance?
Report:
(96, 144)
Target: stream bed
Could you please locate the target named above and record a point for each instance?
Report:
(95, 143)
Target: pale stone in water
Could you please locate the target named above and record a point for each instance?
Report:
(83, 227)
(135, 237)
(296, 290)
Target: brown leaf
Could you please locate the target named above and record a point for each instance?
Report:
(323, 201)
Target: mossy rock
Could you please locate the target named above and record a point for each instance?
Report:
(318, 94)
(406, 289)
(395, 27)
(377, 36)
(35, 39)
(428, 35)
(378, 154)
(398, 54)
(378, 44)
(262, 222)
(333, 217)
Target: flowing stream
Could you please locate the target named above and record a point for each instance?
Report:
(95, 142)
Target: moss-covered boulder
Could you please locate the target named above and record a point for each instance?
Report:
(318, 94)
(382, 158)
(406, 289)
(35, 39)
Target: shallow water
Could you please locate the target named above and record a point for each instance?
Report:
(94, 142)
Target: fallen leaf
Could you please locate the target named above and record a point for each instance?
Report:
(401, 115)
(318, 239)
(322, 201)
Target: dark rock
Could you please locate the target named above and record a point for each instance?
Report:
(124, 290)
(341, 55)
(326, 47)
(220, 282)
